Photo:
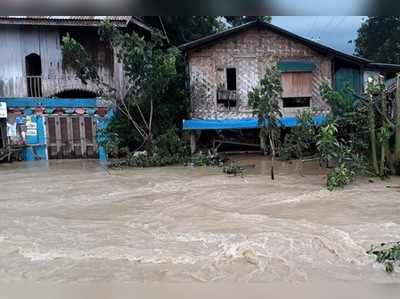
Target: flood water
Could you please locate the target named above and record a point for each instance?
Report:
(74, 221)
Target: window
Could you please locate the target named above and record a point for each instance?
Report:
(231, 79)
(296, 102)
(297, 89)
(296, 85)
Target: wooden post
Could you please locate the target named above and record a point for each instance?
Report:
(384, 144)
(271, 142)
(83, 136)
(58, 136)
(371, 124)
(263, 143)
(192, 142)
(397, 121)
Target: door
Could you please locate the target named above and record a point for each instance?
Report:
(71, 137)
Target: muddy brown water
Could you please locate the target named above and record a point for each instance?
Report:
(73, 221)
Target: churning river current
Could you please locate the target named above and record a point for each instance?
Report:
(75, 221)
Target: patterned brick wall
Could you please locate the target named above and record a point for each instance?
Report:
(249, 52)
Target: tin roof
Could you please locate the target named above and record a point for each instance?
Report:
(120, 21)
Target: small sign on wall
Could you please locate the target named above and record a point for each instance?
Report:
(31, 127)
(3, 110)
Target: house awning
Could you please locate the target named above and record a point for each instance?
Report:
(247, 123)
(49, 103)
(290, 66)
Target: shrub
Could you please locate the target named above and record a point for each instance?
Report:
(113, 146)
(327, 143)
(347, 162)
(302, 139)
(209, 158)
(387, 254)
(339, 177)
(233, 169)
(168, 149)
(169, 144)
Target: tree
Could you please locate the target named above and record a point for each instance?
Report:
(397, 120)
(240, 20)
(184, 29)
(370, 109)
(264, 101)
(149, 69)
(378, 39)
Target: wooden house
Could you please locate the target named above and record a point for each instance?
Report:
(224, 67)
(49, 110)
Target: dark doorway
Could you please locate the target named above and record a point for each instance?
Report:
(33, 66)
(76, 94)
(3, 133)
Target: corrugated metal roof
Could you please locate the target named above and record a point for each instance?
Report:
(121, 21)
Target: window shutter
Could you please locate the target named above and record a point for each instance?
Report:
(296, 85)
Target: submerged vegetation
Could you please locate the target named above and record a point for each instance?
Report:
(360, 143)
(302, 139)
(234, 169)
(387, 254)
(264, 101)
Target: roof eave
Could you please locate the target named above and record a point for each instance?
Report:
(384, 66)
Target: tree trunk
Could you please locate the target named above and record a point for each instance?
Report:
(384, 144)
(263, 145)
(148, 145)
(397, 121)
(371, 124)
(271, 142)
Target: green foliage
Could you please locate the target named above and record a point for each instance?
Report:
(156, 97)
(264, 101)
(240, 20)
(301, 139)
(77, 58)
(339, 177)
(384, 133)
(378, 39)
(148, 67)
(374, 87)
(113, 146)
(327, 143)
(347, 162)
(233, 169)
(168, 149)
(169, 144)
(209, 158)
(339, 102)
(387, 254)
(184, 29)
(139, 159)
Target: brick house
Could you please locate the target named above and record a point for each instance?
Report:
(223, 67)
